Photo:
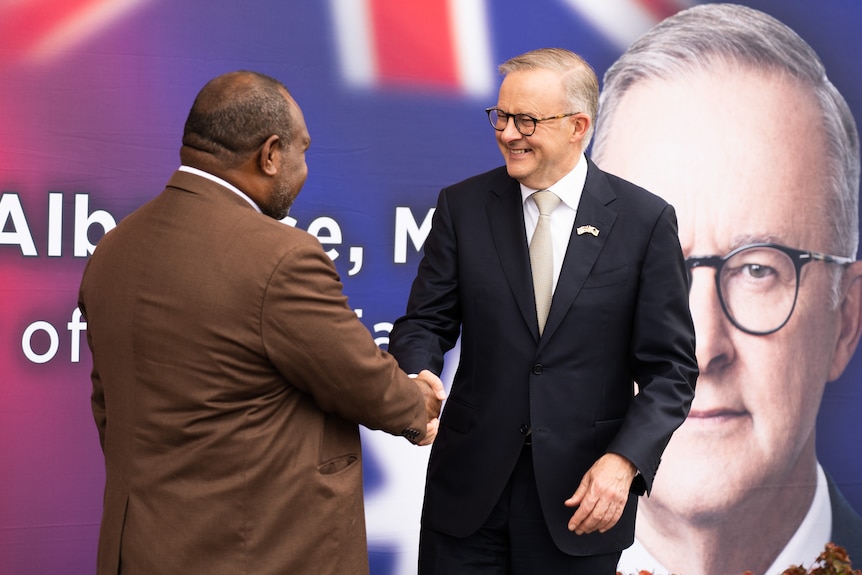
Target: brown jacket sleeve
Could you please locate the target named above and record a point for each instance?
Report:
(305, 315)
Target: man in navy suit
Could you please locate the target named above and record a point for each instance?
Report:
(728, 114)
(543, 444)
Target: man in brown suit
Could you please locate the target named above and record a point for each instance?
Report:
(229, 373)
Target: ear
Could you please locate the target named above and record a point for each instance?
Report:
(269, 158)
(850, 316)
(580, 126)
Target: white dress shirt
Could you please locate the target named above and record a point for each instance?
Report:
(220, 182)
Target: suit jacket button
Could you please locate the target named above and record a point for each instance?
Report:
(411, 434)
(524, 429)
(538, 369)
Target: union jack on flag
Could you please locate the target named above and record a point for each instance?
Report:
(447, 45)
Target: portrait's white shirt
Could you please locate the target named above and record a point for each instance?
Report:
(220, 182)
(807, 543)
(568, 189)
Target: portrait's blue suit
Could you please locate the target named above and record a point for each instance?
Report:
(846, 524)
(619, 315)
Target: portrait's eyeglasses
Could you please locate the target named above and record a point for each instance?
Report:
(524, 123)
(758, 284)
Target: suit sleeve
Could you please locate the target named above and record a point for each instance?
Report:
(431, 325)
(97, 395)
(319, 345)
(663, 353)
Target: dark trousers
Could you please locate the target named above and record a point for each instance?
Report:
(513, 541)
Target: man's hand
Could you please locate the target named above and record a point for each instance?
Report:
(434, 394)
(430, 432)
(602, 494)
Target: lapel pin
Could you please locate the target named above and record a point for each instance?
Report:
(588, 230)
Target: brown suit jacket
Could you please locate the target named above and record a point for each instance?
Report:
(229, 376)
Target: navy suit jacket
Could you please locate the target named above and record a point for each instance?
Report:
(619, 315)
(846, 524)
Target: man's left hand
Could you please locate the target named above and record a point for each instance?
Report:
(602, 494)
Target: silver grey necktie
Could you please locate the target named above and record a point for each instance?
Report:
(542, 255)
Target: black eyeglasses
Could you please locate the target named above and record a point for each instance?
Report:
(758, 284)
(524, 123)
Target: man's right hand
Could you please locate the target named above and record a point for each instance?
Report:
(434, 394)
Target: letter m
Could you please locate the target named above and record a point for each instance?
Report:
(406, 227)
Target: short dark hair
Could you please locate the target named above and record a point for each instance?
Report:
(235, 113)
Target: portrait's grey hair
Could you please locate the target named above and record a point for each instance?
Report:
(710, 35)
(578, 77)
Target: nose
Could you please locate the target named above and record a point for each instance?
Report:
(714, 347)
(510, 133)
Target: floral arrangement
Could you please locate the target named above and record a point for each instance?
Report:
(832, 561)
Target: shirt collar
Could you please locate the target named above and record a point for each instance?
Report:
(569, 188)
(813, 533)
(220, 182)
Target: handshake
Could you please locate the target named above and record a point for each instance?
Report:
(434, 394)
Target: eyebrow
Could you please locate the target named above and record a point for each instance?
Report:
(740, 240)
(746, 239)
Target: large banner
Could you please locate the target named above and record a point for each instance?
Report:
(93, 97)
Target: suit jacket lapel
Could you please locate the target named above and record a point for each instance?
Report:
(583, 249)
(506, 220)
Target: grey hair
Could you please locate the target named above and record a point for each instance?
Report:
(707, 35)
(578, 77)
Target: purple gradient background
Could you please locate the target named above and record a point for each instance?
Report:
(104, 118)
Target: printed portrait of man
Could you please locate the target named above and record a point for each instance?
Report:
(729, 115)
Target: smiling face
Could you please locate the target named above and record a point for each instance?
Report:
(542, 159)
(740, 157)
